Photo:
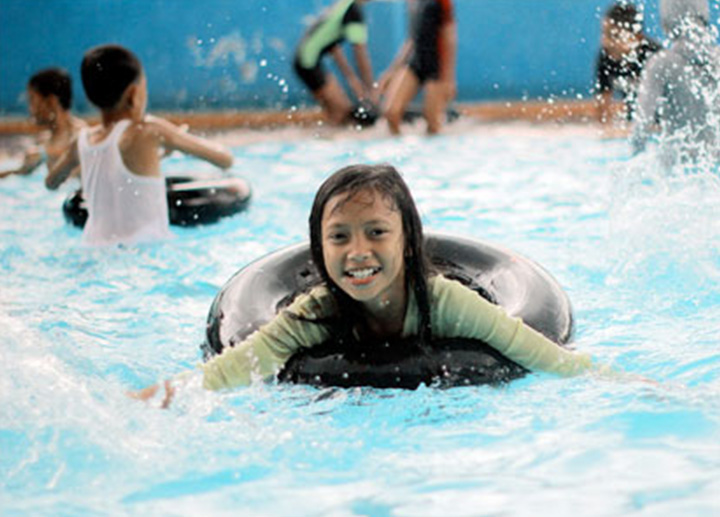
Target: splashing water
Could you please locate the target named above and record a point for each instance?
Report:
(636, 249)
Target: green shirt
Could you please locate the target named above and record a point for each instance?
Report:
(455, 311)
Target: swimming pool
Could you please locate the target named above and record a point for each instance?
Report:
(637, 250)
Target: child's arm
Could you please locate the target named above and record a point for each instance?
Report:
(347, 71)
(461, 312)
(262, 354)
(362, 58)
(32, 159)
(63, 167)
(174, 137)
(148, 393)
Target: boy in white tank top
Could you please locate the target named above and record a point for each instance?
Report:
(120, 159)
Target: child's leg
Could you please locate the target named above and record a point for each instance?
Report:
(333, 100)
(436, 100)
(403, 88)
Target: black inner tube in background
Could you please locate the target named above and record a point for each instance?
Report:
(192, 201)
(253, 296)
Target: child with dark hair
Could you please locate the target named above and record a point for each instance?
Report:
(49, 94)
(120, 158)
(366, 241)
(623, 52)
(426, 59)
(342, 21)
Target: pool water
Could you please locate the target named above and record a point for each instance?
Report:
(637, 249)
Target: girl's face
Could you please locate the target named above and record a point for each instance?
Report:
(363, 247)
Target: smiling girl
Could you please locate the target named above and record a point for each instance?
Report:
(366, 241)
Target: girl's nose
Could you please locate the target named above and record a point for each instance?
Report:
(360, 256)
(359, 251)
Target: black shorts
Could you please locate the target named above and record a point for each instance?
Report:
(426, 67)
(314, 78)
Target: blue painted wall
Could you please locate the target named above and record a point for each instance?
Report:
(238, 53)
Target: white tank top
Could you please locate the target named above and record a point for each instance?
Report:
(123, 208)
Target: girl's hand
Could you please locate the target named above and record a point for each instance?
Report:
(148, 393)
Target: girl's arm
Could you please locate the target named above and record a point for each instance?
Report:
(266, 351)
(59, 171)
(461, 312)
(263, 353)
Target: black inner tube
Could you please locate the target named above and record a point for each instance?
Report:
(191, 201)
(256, 293)
(400, 364)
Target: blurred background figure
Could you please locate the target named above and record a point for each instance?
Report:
(679, 87)
(122, 183)
(49, 93)
(343, 21)
(427, 59)
(624, 50)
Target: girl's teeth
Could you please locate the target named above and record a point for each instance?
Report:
(361, 273)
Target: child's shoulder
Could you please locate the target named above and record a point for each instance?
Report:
(157, 123)
(147, 129)
(150, 127)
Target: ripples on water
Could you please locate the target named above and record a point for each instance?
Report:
(636, 249)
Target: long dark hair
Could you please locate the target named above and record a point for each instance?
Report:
(385, 180)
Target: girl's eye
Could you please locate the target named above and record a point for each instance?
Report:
(377, 232)
(337, 237)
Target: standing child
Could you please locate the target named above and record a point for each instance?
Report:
(342, 21)
(120, 158)
(426, 59)
(49, 101)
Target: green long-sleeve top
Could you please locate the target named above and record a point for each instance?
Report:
(455, 311)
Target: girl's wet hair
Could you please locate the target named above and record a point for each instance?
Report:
(385, 180)
(106, 72)
(53, 81)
